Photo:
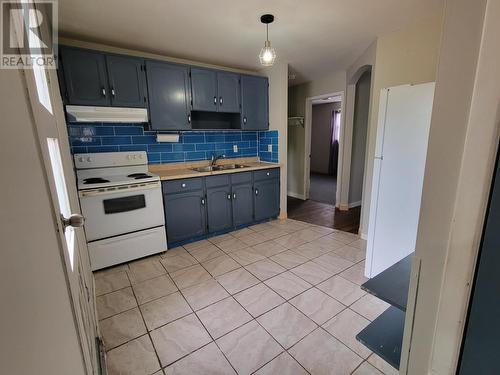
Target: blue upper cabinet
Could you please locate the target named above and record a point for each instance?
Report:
(127, 81)
(215, 91)
(204, 89)
(219, 99)
(168, 93)
(85, 77)
(228, 91)
(254, 103)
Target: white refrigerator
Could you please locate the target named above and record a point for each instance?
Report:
(398, 173)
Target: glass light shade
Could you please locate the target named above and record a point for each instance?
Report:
(267, 54)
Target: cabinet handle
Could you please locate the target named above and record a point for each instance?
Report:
(183, 185)
(103, 90)
(189, 119)
(220, 100)
(244, 119)
(234, 196)
(202, 201)
(215, 100)
(267, 174)
(229, 196)
(113, 91)
(256, 191)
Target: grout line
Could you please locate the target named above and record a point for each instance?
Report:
(232, 296)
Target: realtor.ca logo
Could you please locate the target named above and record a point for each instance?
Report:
(28, 34)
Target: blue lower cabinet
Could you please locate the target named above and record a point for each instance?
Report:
(185, 215)
(195, 207)
(219, 208)
(242, 204)
(266, 199)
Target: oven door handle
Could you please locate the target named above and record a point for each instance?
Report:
(119, 189)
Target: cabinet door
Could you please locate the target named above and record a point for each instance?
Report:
(228, 91)
(204, 89)
(85, 77)
(242, 204)
(168, 93)
(219, 208)
(185, 215)
(266, 199)
(127, 81)
(254, 103)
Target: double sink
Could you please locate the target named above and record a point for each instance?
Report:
(224, 167)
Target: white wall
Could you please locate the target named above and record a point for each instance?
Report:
(359, 136)
(38, 331)
(460, 159)
(278, 120)
(402, 57)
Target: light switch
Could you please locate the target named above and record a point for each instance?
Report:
(269, 148)
(235, 148)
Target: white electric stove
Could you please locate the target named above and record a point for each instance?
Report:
(123, 207)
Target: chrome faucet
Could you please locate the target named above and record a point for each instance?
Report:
(215, 158)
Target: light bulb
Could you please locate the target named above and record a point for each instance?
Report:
(267, 54)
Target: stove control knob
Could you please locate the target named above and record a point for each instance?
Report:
(80, 159)
(140, 156)
(135, 156)
(128, 157)
(89, 159)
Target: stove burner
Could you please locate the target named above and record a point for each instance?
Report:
(138, 176)
(94, 180)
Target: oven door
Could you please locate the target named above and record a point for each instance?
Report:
(113, 211)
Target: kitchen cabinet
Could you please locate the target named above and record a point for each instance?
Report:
(200, 205)
(168, 93)
(219, 208)
(242, 198)
(214, 91)
(204, 89)
(84, 76)
(266, 194)
(254, 103)
(185, 214)
(100, 79)
(228, 91)
(127, 81)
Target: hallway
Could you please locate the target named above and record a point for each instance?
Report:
(323, 214)
(323, 188)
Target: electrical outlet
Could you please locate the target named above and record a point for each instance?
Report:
(235, 148)
(269, 148)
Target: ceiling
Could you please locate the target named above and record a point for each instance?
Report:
(315, 37)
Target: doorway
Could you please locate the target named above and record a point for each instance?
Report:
(325, 134)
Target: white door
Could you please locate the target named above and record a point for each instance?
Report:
(50, 124)
(401, 150)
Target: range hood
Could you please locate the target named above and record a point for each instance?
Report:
(80, 113)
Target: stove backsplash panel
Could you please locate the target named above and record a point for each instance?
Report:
(192, 145)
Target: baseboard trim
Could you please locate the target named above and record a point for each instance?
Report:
(355, 204)
(343, 207)
(296, 195)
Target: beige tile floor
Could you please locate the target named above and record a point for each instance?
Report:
(276, 298)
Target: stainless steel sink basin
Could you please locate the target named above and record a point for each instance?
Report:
(232, 166)
(224, 167)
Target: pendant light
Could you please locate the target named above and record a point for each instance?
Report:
(267, 53)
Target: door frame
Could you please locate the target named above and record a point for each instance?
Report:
(439, 293)
(78, 271)
(307, 143)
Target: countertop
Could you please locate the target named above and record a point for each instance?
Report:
(185, 170)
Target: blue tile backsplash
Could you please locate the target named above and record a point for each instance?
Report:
(192, 146)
